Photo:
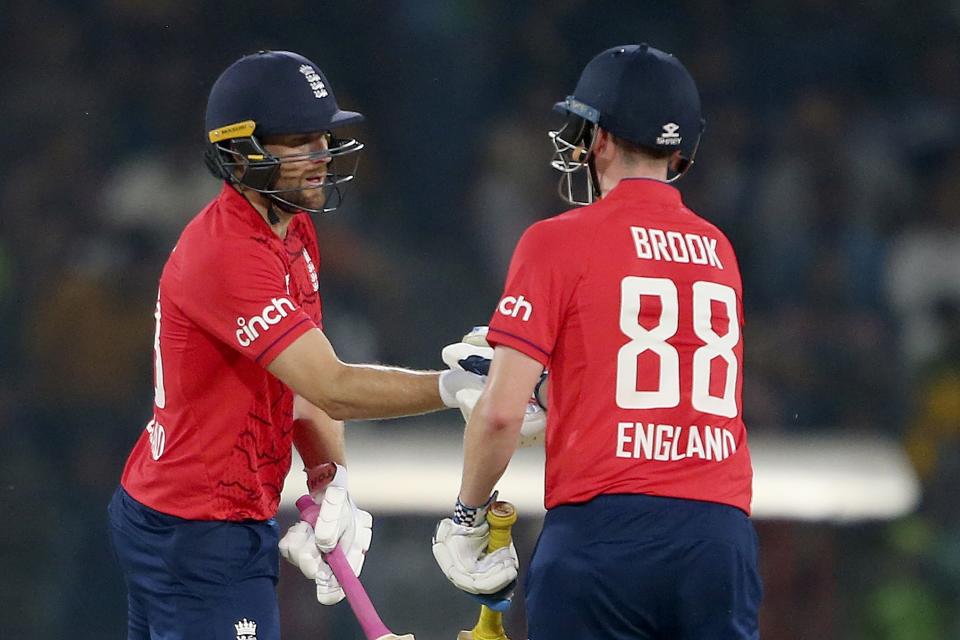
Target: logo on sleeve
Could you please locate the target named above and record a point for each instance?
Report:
(250, 329)
(514, 307)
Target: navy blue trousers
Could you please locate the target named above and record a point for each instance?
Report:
(641, 567)
(187, 579)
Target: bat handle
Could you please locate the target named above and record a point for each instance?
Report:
(367, 616)
(500, 517)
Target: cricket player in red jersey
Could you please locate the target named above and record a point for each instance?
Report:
(243, 370)
(634, 305)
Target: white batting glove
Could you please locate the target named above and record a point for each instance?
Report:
(460, 550)
(533, 429)
(453, 381)
(473, 353)
(299, 547)
(469, 365)
(339, 521)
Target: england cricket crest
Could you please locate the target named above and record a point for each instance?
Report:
(246, 629)
(312, 270)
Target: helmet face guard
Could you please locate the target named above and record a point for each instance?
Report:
(573, 158)
(243, 161)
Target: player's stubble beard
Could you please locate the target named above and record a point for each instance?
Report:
(302, 193)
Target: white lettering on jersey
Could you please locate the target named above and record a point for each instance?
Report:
(513, 307)
(273, 313)
(672, 246)
(158, 438)
(667, 442)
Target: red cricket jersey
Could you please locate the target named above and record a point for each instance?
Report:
(232, 297)
(634, 304)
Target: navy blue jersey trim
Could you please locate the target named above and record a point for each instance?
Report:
(524, 340)
(279, 338)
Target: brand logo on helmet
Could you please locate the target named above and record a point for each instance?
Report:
(319, 89)
(670, 134)
(273, 313)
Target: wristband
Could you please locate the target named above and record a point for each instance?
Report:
(325, 474)
(468, 516)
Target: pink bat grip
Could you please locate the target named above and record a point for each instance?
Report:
(370, 622)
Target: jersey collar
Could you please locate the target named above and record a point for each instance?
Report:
(648, 189)
(235, 204)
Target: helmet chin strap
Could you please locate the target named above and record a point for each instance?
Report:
(594, 193)
(272, 217)
(279, 203)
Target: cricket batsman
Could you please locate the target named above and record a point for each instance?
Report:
(634, 305)
(243, 370)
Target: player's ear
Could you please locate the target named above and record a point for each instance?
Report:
(676, 162)
(602, 141)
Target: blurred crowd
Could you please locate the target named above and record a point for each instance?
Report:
(831, 159)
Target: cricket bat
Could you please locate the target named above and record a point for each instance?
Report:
(363, 609)
(500, 517)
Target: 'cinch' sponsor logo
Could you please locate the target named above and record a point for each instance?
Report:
(513, 307)
(250, 329)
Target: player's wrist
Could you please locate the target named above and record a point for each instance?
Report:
(470, 516)
(324, 475)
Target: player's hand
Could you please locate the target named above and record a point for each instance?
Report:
(453, 381)
(469, 364)
(339, 521)
(473, 353)
(460, 550)
(299, 547)
(302, 548)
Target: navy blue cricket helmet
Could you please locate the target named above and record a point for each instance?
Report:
(275, 93)
(637, 93)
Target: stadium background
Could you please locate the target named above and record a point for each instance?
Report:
(830, 159)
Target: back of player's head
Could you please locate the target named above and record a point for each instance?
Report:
(637, 93)
(271, 93)
(642, 95)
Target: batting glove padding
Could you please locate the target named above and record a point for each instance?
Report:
(461, 553)
(533, 429)
(469, 357)
(339, 521)
(456, 380)
(474, 355)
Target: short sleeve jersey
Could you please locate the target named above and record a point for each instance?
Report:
(634, 305)
(232, 297)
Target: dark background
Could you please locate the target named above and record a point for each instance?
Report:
(830, 159)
